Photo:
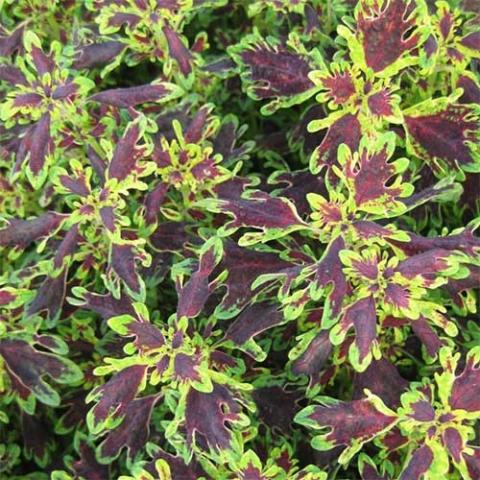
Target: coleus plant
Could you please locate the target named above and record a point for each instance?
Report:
(238, 239)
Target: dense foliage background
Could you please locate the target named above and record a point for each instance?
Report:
(237, 239)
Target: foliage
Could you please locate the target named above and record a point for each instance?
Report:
(238, 239)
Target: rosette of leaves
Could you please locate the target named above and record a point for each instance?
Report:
(435, 422)
(45, 102)
(198, 386)
(152, 30)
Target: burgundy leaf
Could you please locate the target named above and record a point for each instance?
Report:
(386, 24)
(177, 50)
(43, 63)
(344, 130)
(254, 320)
(276, 407)
(126, 153)
(471, 90)
(465, 242)
(358, 420)
(422, 411)
(20, 233)
(472, 40)
(26, 368)
(418, 464)
(114, 397)
(312, 360)
(67, 247)
(11, 42)
(105, 305)
(427, 264)
(383, 379)
(192, 296)
(107, 214)
(299, 183)
(153, 201)
(370, 177)
(12, 75)
(147, 336)
(87, 466)
(465, 393)
(170, 237)
(244, 266)
(329, 271)
(362, 315)
(132, 96)
(36, 438)
(454, 443)
(122, 261)
(427, 335)
(260, 210)
(41, 144)
(97, 54)
(443, 134)
(133, 432)
(50, 296)
(178, 468)
(206, 416)
(275, 71)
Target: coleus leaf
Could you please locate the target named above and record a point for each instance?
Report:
(276, 407)
(147, 336)
(37, 439)
(127, 152)
(178, 50)
(382, 379)
(368, 469)
(36, 149)
(418, 464)
(178, 467)
(471, 89)
(346, 130)
(159, 92)
(463, 241)
(206, 415)
(114, 397)
(20, 233)
(254, 320)
(329, 271)
(442, 131)
(26, 367)
(105, 305)
(243, 267)
(362, 316)
(132, 433)
(97, 54)
(87, 465)
(271, 70)
(193, 295)
(310, 359)
(50, 297)
(123, 268)
(464, 388)
(393, 24)
(350, 424)
(297, 185)
(376, 183)
(276, 217)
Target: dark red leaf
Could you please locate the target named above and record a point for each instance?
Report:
(418, 464)
(20, 233)
(116, 395)
(206, 416)
(386, 26)
(133, 432)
